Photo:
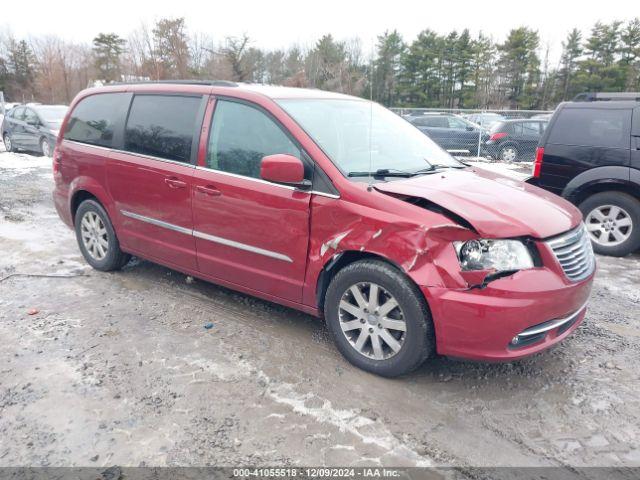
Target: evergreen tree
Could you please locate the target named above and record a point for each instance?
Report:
(386, 67)
(519, 67)
(107, 50)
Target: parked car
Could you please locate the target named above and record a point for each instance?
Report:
(290, 195)
(451, 132)
(590, 155)
(32, 127)
(514, 140)
(485, 119)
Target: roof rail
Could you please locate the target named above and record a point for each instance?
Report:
(607, 97)
(210, 83)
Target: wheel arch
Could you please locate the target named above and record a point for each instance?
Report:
(602, 179)
(84, 188)
(344, 258)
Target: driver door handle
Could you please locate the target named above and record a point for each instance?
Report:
(173, 182)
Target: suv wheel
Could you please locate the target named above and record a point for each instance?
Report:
(613, 222)
(97, 239)
(8, 145)
(45, 147)
(508, 153)
(379, 319)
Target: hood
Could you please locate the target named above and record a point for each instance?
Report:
(496, 205)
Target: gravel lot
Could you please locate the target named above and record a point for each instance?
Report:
(99, 369)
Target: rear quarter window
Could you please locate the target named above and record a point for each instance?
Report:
(593, 127)
(96, 118)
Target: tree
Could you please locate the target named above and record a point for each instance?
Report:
(234, 52)
(171, 48)
(571, 52)
(519, 67)
(387, 67)
(630, 51)
(21, 66)
(107, 49)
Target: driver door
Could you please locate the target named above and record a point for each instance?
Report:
(249, 232)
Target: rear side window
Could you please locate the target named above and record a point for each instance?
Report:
(96, 118)
(592, 127)
(241, 135)
(531, 128)
(162, 126)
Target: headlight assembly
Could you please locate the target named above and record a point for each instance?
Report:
(489, 254)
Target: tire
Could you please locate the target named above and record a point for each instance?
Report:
(8, 144)
(45, 148)
(508, 153)
(613, 221)
(412, 346)
(98, 225)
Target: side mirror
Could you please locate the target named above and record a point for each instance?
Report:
(470, 128)
(282, 168)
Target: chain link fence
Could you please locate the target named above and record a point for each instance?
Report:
(505, 135)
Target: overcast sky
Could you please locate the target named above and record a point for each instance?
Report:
(279, 23)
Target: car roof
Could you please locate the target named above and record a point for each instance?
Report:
(224, 87)
(604, 104)
(517, 120)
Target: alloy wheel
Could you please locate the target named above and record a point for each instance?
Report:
(46, 148)
(7, 143)
(372, 321)
(508, 154)
(609, 225)
(94, 235)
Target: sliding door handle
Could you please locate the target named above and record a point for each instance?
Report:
(208, 190)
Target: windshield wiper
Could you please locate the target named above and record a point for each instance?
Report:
(383, 172)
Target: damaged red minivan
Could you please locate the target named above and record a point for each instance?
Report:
(329, 204)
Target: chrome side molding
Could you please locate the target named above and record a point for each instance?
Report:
(206, 236)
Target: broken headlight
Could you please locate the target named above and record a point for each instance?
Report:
(498, 255)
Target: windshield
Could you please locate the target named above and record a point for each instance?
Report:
(53, 113)
(342, 129)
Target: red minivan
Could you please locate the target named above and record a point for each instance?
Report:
(329, 204)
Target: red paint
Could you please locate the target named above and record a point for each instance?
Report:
(309, 230)
(282, 169)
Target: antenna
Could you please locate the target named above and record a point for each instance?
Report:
(371, 79)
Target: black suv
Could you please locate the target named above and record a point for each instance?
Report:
(590, 155)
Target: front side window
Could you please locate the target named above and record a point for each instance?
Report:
(95, 118)
(30, 117)
(162, 126)
(359, 136)
(18, 113)
(241, 136)
(596, 127)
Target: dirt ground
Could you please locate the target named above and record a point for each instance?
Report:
(99, 369)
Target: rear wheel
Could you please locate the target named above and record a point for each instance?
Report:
(97, 239)
(379, 319)
(8, 144)
(509, 153)
(613, 222)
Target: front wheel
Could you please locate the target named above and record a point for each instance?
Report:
(45, 147)
(613, 222)
(379, 319)
(8, 144)
(97, 239)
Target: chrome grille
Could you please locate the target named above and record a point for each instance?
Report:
(574, 253)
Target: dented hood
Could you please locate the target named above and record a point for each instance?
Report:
(496, 206)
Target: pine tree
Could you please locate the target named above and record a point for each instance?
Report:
(386, 67)
(107, 50)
